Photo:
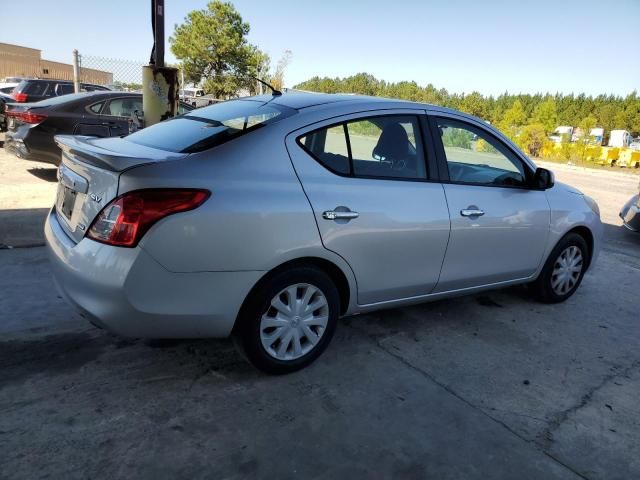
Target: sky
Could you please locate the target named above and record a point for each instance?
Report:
(490, 46)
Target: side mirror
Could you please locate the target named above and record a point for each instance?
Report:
(543, 179)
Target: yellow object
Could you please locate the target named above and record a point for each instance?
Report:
(629, 158)
(609, 155)
(159, 93)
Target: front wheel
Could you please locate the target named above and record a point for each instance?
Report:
(563, 272)
(289, 321)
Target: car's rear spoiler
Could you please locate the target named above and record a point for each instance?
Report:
(113, 154)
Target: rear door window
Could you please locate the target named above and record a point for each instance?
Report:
(123, 107)
(208, 127)
(388, 146)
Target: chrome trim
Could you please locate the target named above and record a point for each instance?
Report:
(72, 180)
(471, 212)
(334, 215)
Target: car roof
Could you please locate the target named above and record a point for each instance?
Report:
(53, 80)
(300, 99)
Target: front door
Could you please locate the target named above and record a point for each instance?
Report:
(374, 203)
(499, 225)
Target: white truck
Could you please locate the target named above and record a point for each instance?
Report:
(560, 132)
(619, 138)
(196, 97)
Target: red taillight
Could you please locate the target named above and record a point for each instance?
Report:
(127, 218)
(19, 96)
(27, 116)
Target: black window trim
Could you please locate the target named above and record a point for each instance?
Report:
(423, 127)
(91, 112)
(443, 166)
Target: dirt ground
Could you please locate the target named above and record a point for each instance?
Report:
(485, 386)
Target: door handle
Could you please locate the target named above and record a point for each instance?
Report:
(471, 212)
(337, 215)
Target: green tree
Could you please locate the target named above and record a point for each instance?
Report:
(475, 104)
(514, 118)
(212, 45)
(532, 139)
(582, 145)
(545, 109)
(606, 115)
(546, 115)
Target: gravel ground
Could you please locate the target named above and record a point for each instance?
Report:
(486, 386)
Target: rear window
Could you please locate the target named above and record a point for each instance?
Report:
(32, 88)
(210, 126)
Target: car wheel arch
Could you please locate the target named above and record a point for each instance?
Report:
(330, 268)
(585, 232)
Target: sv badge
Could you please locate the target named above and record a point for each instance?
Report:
(95, 197)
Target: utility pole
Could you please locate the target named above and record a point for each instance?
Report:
(76, 72)
(160, 87)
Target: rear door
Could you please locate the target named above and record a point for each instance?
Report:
(375, 201)
(499, 223)
(118, 112)
(90, 123)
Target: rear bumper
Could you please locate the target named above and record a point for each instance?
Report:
(127, 292)
(17, 146)
(630, 214)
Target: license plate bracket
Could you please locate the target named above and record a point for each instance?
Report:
(66, 201)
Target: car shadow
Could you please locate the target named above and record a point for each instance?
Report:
(47, 174)
(22, 227)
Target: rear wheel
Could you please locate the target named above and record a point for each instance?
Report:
(289, 321)
(564, 270)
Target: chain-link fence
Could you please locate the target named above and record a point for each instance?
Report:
(117, 73)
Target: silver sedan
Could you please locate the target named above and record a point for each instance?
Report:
(270, 217)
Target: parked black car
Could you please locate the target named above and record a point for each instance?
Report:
(34, 90)
(4, 99)
(32, 126)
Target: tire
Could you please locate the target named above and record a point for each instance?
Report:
(558, 280)
(285, 339)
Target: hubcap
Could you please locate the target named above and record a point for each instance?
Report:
(567, 270)
(295, 321)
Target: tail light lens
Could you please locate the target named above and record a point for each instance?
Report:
(125, 220)
(28, 117)
(19, 96)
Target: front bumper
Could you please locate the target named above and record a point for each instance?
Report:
(127, 292)
(630, 214)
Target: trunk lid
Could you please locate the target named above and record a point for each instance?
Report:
(88, 176)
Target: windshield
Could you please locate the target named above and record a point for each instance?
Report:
(208, 127)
